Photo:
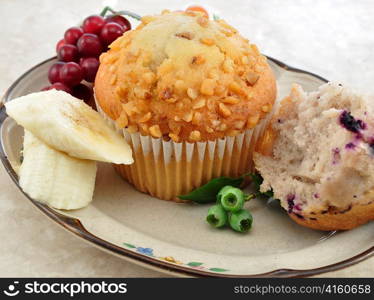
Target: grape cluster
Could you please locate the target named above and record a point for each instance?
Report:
(78, 54)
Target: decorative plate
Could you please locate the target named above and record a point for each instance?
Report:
(174, 237)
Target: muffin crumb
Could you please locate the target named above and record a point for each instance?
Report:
(207, 87)
(155, 131)
(252, 121)
(224, 110)
(230, 100)
(192, 93)
(207, 41)
(195, 136)
(146, 117)
(251, 78)
(174, 137)
(185, 35)
(198, 60)
(200, 103)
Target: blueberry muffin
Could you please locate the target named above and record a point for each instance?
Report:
(318, 157)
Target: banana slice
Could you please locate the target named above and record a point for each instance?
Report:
(52, 177)
(69, 125)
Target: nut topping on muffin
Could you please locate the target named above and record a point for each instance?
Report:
(183, 70)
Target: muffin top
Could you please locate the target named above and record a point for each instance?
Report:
(184, 77)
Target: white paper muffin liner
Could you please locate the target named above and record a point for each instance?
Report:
(166, 169)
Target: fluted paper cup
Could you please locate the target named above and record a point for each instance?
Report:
(166, 169)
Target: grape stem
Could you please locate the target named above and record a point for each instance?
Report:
(120, 12)
(248, 197)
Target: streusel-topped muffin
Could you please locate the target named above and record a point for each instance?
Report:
(186, 82)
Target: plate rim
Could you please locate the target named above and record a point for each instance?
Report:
(74, 225)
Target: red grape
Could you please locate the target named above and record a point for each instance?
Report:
(93, 24)
(58, 86)
(71, 74)
(89, 66)
(89, 45)
(110, 32)
(68, 53)
(119, 20)
(82, 91)
(60, 44)
(72, 35)
(85, 93)
(54, 72)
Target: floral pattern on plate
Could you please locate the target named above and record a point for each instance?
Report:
(191, 264)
